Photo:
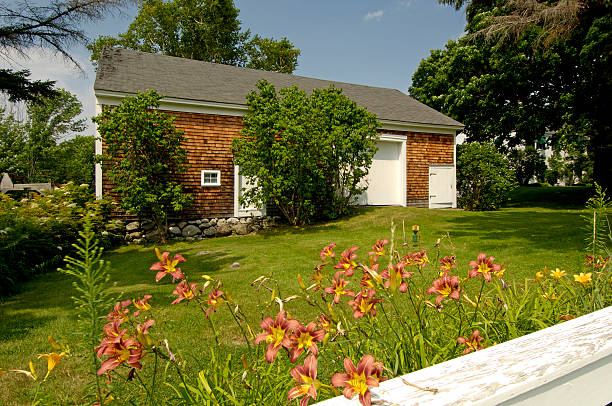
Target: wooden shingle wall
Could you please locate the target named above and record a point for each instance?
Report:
(208, 145)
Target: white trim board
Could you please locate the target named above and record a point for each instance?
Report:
(105, 97)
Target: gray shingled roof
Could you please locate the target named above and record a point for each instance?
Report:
(127, 71)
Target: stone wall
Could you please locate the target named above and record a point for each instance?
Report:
(191, 230)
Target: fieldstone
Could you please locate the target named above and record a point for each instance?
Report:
(233, 220)
(202, 253)
(223, 229)
(148, 225)
(193, 222)
(133, 235)
(182, 224)
(221, 221)
(204, 226)
(235, 265)
(213, 222)
(241, 229)
(204, 222)
(137, 240)
(175, 231)
(190, 231)
(210, 231)
(153, 235)
(133, 226)
(248, 220)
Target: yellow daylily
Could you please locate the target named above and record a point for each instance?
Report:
(584, 278)
(52, 360)
(557, 273)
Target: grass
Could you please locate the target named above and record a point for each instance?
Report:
(541, 227)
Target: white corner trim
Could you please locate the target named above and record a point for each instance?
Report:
(97, 152)
(112, 98)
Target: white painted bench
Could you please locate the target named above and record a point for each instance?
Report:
(567, 364)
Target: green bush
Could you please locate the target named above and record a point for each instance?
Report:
(35, 234)
(484, 177)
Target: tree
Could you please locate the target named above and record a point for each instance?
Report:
(54, 26)
(528, 164)
(143, 156)
(29, 148)
(307, 155)
(577, 36)
(205, 30)
(74, 161)
(48, 121)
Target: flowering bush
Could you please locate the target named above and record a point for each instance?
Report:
(390, 312)
(35, 234)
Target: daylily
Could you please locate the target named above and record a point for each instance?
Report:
(395, 274)
(366, 280)
(276, 334)
(347, 263)
(305, 338)
(557, 273)
(142, 333)
(52, 359)
(447, 264)
(2, 371)
(120, 311)
(327, 252)
(416, 258)
(473, 343)
(142, 304)
(598, 262)
(185, 291)
(584, 278)
(363, 303)
(357, 380)
(483, 266)
(30, 374)
(378, 249)
(446, 286)
(128, 351)
(317, 276)
(112, 332)
(540, 275)
(305, 376)
(338, 288)
(214, 299)
(167, 266)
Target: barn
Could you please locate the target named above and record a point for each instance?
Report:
(414, 165)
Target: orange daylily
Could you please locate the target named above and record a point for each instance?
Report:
(276, 334)
(357, 380)
(167, 266)
(305, 376)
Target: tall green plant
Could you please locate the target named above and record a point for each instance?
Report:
(599, 231)
(92, 298)
(144, 152)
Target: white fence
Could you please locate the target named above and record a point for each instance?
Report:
(567, 364)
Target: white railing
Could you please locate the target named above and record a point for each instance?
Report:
(567, 364)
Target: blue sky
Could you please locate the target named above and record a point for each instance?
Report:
(369, 42)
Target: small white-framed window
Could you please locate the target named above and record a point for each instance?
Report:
(211, 177)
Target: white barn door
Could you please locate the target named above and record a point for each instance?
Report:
(442, 189)
(386, 179)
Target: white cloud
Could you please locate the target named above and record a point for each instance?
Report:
(405, 3)
(374, 15)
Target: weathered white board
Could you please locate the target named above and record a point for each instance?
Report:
(567, 364)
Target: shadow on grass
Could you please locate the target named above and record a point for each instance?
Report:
(556, 197)
(525, 229)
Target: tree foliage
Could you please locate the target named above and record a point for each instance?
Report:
(18, 87)
(525, 67)
(484, 177)
(36, 148)
(144, 153)
(306, 154)
(205, 30)
(528, 164)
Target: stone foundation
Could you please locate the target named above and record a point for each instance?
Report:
(191, 230)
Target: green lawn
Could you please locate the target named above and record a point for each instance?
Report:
(542, 227)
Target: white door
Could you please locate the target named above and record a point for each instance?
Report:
(241, 185)
(385, 180)
(442, 186)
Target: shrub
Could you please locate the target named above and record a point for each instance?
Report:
(307, 155)
(484, 177)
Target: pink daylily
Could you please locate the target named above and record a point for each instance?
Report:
(446, 286)
(483, 266)
(167, 266)
(305, 338)
(357, 380)
(363, 303)
(305, 376)
(185, 291)
(347, 264)
(276, 334)
(338, 288)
